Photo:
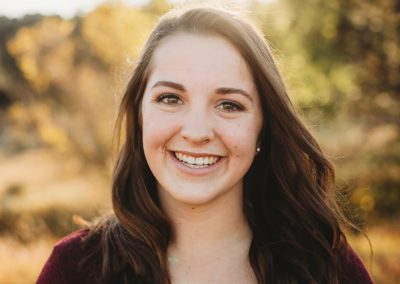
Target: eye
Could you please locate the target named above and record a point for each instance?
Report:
(228, 106)
(169, 99)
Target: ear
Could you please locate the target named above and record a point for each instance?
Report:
(259, 142)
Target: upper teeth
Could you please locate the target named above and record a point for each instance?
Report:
(196, 160)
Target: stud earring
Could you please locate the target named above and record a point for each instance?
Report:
(258, 150)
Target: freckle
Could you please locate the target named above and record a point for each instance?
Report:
(237, 156)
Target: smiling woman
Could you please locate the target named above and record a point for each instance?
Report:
(218, 180)
(200, 104)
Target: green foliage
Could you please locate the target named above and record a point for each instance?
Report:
(70, 66)
(115, 33)
(342, 62)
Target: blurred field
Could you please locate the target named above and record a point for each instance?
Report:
(40, 192)
(21, 263)
(384, 262)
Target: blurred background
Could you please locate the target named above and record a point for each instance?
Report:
(63, 69)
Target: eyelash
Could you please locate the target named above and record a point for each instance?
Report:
(232, 106)
(168, 96)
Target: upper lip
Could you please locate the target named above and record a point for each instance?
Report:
(193, 154)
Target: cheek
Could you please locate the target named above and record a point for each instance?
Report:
(240, 138)
(157, 130)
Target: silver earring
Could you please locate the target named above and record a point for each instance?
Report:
(258, 150)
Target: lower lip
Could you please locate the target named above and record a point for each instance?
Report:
(195, 171)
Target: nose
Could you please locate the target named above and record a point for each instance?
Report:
(197, 127)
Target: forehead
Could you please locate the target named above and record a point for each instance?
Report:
(205, 57)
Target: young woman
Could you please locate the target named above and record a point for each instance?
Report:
(218, 180)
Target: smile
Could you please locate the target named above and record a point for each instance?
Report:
(196, 162)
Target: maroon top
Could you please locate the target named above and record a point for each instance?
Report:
(62, 267)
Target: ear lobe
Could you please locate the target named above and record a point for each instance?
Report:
(258, 147)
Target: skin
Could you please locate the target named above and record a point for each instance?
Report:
(201, 101)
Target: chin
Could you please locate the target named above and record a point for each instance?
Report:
(196, 196)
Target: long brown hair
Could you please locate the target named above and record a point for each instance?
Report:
(289, 191)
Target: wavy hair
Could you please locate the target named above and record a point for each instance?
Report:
(289, 191)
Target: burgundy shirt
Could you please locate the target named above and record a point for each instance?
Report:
(62, 267)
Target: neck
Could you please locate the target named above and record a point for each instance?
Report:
(216, 225)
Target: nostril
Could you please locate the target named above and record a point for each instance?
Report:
(197, 133)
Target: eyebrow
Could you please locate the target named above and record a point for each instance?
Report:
(170, 84)
(224, 91)
(220, 91)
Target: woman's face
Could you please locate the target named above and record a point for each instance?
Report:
(201, 118)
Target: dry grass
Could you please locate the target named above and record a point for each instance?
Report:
(384, 262)
(40, 191)
(21, 263)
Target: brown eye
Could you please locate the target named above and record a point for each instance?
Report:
(229, 107)
(169, 99)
